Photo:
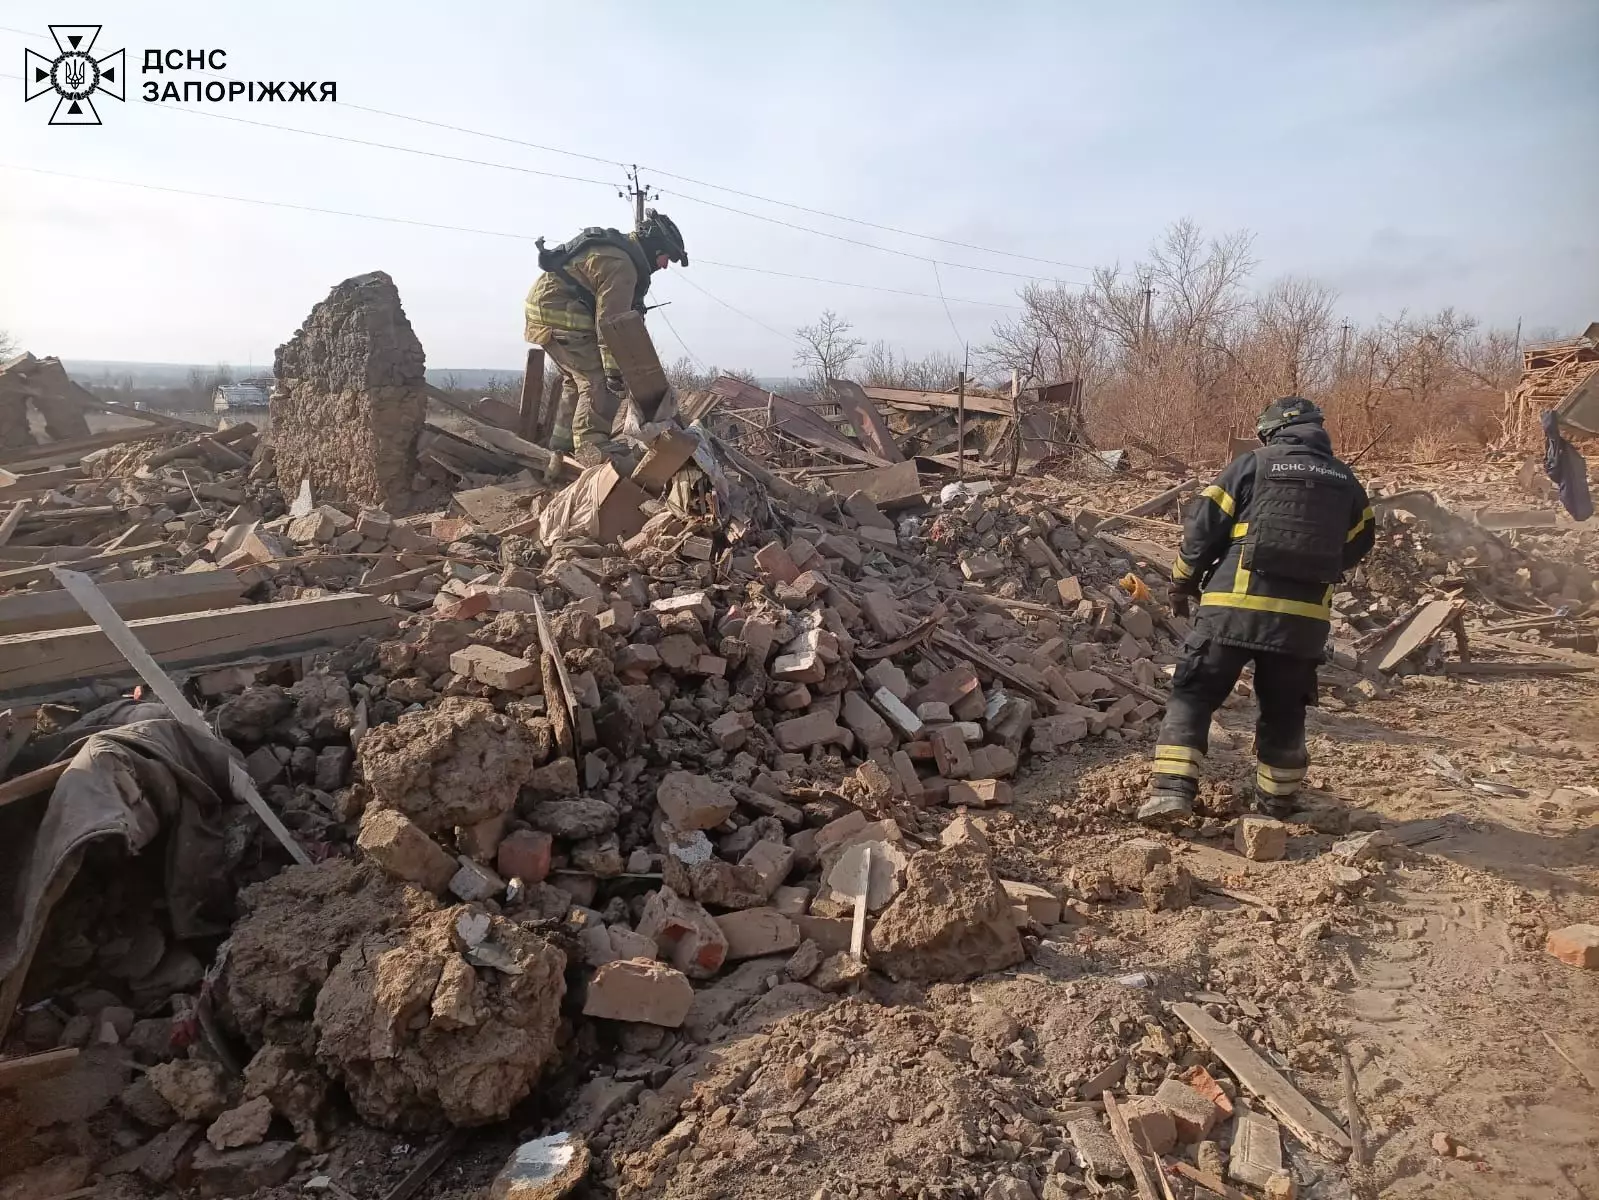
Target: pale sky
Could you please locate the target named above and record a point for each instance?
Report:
(1410, 153)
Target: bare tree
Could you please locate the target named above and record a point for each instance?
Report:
(828, 350)
(8, 344)
(881, 367)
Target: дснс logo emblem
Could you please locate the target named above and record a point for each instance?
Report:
(75, 75)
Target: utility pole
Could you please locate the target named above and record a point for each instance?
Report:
(1343, 349)
(960, 428)
(638, 193)
(1147, 335)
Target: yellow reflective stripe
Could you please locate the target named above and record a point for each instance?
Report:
(1181, 570)
(1166, 767)
(1240, 530)
(1366, 517)
(1222, 499)
(1273, 788)
(1293, 608)
(558, 317)
(1179, 754)
(1282, 773)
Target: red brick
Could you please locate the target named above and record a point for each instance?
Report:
(1576, 945)
(525, 855)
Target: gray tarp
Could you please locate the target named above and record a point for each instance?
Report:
(132, 783)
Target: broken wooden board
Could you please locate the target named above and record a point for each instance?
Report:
(1308, 1123)
(32, 1068)
(910, 400)
(55, 454)
(13, 486)
(1427, 622)
(796, 420)
(35, 667)
(870, 428)
(22, 576)
(667, 455)
(1517, 646)
(1545, 667)
(629, 342)
(890, 488)
(134, 599)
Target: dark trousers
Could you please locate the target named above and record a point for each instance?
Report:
(1206, 674)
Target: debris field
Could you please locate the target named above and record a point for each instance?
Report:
(390, 808)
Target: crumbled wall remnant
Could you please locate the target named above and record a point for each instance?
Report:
(349, 401)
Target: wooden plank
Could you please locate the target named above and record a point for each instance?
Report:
(31, 783)
(895, 397)
(51, 454)
(1130, 1151)
(115, 630)
(133, 599)
(870, 428)
(1285, 1101)
(22, 576)
(43, 666)
(890, 488)
(1205, 1179)
(629, 342)
(1476, 667)
(1515, 645)
(527, 418)
(857, 929)
(31, 1068)
(12, 486)
(12, 520)
(1427, 622)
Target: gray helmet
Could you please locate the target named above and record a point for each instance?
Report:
(1280, 414)
(659, 235)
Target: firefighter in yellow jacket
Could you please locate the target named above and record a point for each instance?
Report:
(600, 273)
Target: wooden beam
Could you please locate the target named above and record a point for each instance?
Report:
(527, 417)
(52, 454)
(41, 666)
(13, 486)
(116, 631)
(1424, 624)
(12, 520)
(870, 428)
(133, 599)
(31, 783)
(909, 398)
(32, 1068)
(1308, 1123)
(1130, 1151)
(22, 576)
(890, 488)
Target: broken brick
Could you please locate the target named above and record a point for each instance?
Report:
(637, 989)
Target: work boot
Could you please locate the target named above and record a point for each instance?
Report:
(1278, 807)
(1166, 805)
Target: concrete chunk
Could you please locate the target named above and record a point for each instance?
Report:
(398, 845)
(636, 989)
(494, 667)
(694, 802)
(684, 931)
(1261, 838)
(979, 793)
(813, 729)
(753, 932)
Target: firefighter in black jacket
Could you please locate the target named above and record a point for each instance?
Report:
(1267, 542)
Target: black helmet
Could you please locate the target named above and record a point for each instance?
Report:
(659, 235)
(1280, 414)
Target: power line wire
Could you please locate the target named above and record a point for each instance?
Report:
(697, 360)
(958, 339)
(655, 170)
(738, 311)
(520, 237)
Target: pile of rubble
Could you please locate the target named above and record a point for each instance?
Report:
(540, 775)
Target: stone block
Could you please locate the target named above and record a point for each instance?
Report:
(683, 930)
(636, 989)
(775, 564)
(398, 845)
(897, 712)
(1576, 946)
(753, 932)
(693, 801)
(1032, 903)
(979, 567)
(1136, 858)
(950, 753)
(769, 863)
(884, 674)
(978, 793)
(1193, 1115)
(494, 667)
(474, 882)
(242, 1172)
(864, 722)
(731, 730)
(1150, 1123)
(1261, 838)
(813, 729)
(525, 855)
